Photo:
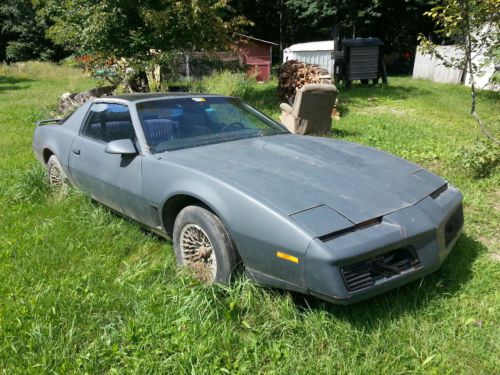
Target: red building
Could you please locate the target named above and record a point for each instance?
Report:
(256, 55)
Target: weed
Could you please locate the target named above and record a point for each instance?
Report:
(28, 185)
(480, 160)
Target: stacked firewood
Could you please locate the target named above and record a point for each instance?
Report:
(294, 74)
(69, 102)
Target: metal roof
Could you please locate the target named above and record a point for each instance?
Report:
(257, 39)
(325, 45)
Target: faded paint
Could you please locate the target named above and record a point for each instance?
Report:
(277, 193)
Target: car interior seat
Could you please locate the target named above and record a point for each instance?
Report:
(160, 130)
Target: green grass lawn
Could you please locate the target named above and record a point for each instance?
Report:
(82, 290)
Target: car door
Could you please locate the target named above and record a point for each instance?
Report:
(112, 179)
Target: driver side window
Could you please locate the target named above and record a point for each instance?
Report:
(109, 122)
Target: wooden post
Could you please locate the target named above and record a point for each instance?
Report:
(188, 73)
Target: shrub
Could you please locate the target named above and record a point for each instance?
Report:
(481, 159)
(73, 62)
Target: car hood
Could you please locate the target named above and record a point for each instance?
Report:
(295, 173)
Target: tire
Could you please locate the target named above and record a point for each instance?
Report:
(55, 172)
(202, 243)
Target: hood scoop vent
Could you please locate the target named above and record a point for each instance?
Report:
(363, 225)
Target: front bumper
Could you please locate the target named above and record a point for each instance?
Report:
(428, 230)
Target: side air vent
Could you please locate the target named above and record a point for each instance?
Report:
(364, 274)
(453, 225)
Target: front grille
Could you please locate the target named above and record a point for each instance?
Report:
(364, 274)
(358, 277)
(453, 225)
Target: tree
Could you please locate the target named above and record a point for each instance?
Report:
(473, 26)
(22, 34)
(268, 16)
(397, 23)
(136, 28)
(141, 33)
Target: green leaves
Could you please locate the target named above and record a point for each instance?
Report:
(133, 29)
(22, 33)
(479, 160)
(462, 22)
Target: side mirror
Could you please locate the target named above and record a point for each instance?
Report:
(121, 146)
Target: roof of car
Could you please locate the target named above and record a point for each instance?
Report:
(156, 95)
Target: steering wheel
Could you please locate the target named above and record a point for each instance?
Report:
(233, 124)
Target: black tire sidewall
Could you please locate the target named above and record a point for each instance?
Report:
(225, 253)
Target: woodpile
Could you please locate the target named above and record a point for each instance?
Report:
(69, 102)
(294, 74)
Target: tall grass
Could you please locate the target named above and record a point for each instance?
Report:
(225, 83)
(29, 185)
(42, 70)
(85, 291)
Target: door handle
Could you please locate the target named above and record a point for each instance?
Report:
(76, 151)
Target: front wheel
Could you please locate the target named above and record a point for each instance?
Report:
(55, 172)
(202, 244)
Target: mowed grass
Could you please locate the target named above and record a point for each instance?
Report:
(82, 290)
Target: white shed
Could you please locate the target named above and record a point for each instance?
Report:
(319, 53)
(429, 67)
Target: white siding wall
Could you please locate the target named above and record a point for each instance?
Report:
(428, 67)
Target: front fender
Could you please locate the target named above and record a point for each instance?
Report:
(258, 229)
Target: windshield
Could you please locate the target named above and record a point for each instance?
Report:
(172, 124)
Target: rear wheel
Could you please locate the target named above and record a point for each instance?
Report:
(56, 174)
(202, 244)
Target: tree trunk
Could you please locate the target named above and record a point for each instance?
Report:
(280, 11)
(472, 73)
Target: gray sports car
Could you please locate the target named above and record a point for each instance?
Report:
(229, 185)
